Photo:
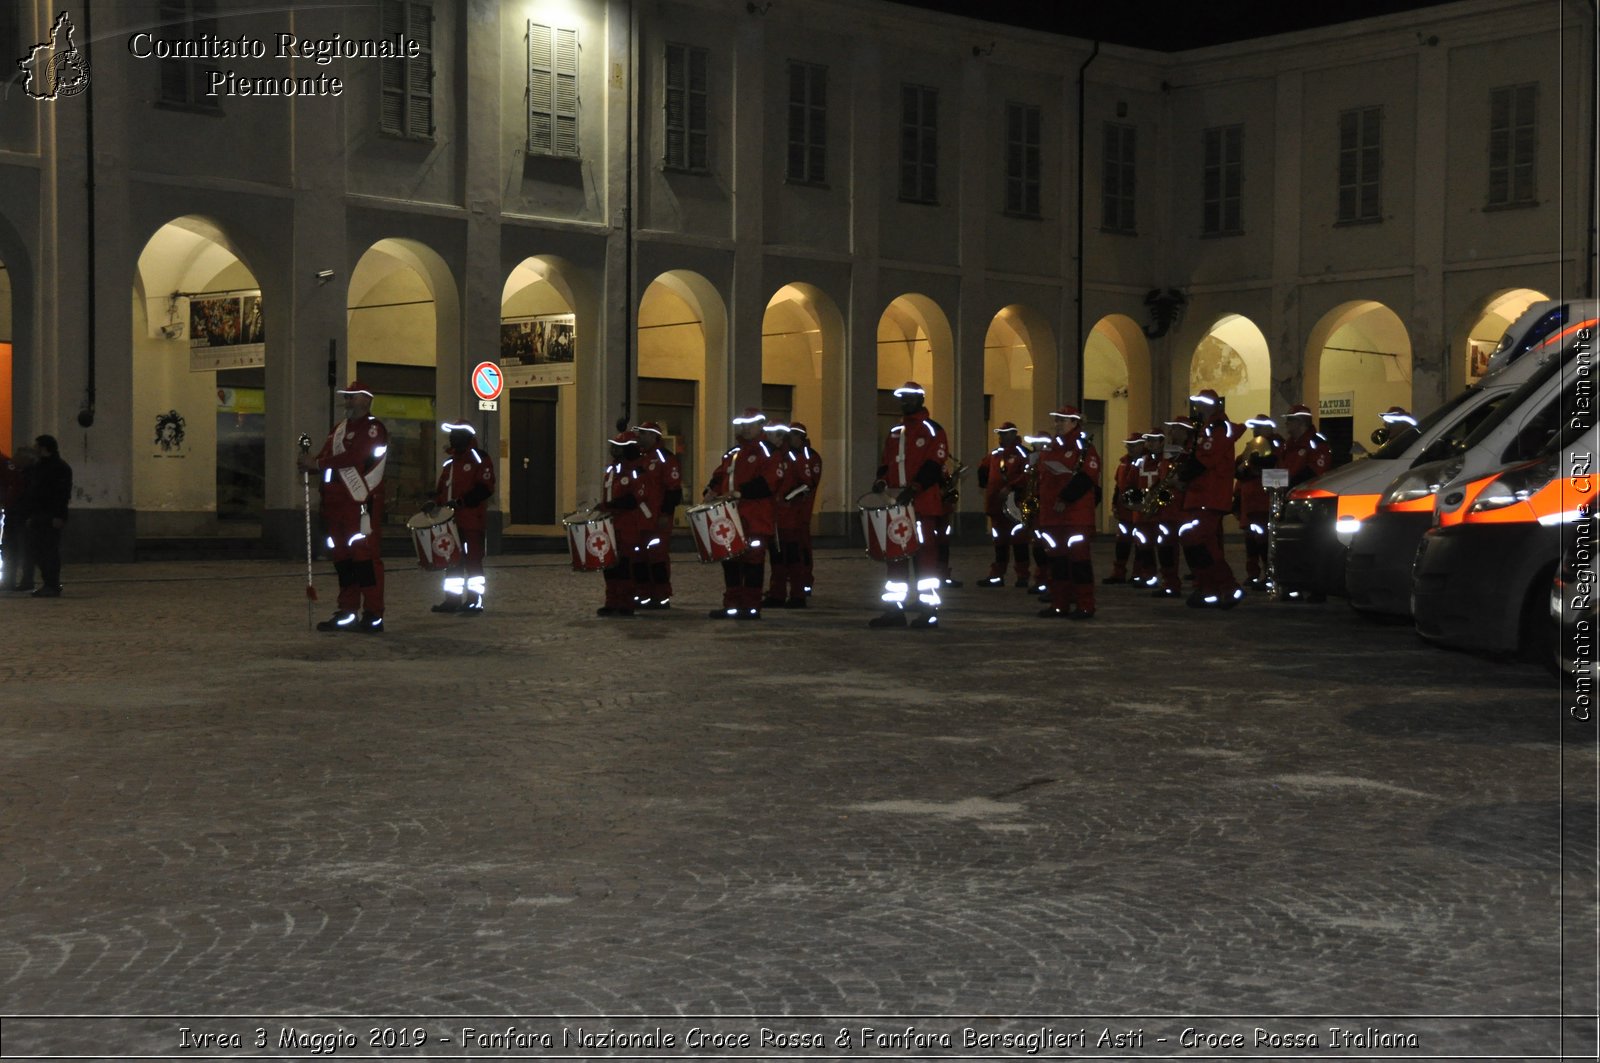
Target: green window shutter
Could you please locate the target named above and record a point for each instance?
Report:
(541, 89)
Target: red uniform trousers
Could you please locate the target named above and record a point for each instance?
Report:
(791, 564)
(1201, 538)
(632, 534)
(653, 580)
(1010, 543)
(1070, 568)
(742, 576)
(1168, 518)
(913, 582)
(357, 558)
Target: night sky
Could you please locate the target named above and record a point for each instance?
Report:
(1169, 25)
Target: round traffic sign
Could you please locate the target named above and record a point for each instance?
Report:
(487, 381)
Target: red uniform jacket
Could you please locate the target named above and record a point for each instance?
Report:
(1069, 471)
(797, 489)
(667, 471)
(1126, 477)
(467, 481)
(1004, 469)
(1306, 458)
(913, 456)
(632, 499)
(751, 469)
(1253, 498)
(352, 460)
(1210, 468)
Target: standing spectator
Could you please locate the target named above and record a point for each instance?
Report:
(749, 472)
(16, 573)
(49, 489)
(914, 454)
(1003, 476)
(466, 483)
(653, 584)
(351, 463)
(1069, 472)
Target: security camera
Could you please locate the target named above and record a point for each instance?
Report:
(172, 331)
(324, 275)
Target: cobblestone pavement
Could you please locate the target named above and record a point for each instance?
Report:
(1284, 817)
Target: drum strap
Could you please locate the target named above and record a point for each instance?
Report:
(359, 486)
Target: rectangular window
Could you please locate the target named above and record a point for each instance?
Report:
(808, 123)
(552, 90)
(688, 106)
(919, 144)
(1513, 143)
(1117, 213)
(1361, 165)
(183, 81)
(407, 107)
(1223, 170)
(1023, 159)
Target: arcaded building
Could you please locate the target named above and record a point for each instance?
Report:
(211, 211)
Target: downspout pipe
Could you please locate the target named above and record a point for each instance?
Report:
(86, 411)
(629, 327)
(1078, 296)
(1594, 145)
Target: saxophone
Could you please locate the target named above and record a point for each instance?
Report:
(1165, 491)
(1028, 503)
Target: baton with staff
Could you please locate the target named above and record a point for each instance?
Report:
(305, 485)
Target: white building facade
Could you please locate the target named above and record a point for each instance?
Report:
(674, 210)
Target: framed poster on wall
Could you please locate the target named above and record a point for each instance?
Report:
(540, 349)
(226, 332)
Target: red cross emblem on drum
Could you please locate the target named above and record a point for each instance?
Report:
(722, 532)
(444, 546)
(899, 530)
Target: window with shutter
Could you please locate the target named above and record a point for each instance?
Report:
(687, 108)
(1023, 159)
(808, 123)
(1513, 145)
(1361, 165)
(919, 144)
(552, 90)
(1221, 181)
(406, 84)
(182, 82)
(1117, 212)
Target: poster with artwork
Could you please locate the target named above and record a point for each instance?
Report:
(1477, 360)
(538, 350)
(226, 332)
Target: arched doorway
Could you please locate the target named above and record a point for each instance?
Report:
(915, 343)
(1116, 391)
(1012, 349)
(1233, 360)
(683, 329)
(199, 386)
(540, 354)
(802, 374)
(1359, 355)
(399, 317)
(1483, 335)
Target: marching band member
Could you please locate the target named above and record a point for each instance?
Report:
(797, 495)
(653, 581)
(1207, 476)
(1124, 483)
(750, 473)
(466, 483)
(351, 462)
(1175, 445)
(1252, 503)
(1069, 473)
(631, 495)
(914, 454)
(1306, 454)
(1003, 475)
(1146, 474)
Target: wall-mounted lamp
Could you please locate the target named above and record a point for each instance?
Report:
(324, 276)
(981, 49)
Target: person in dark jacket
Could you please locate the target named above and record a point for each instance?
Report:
(16, 574)
(48, 490)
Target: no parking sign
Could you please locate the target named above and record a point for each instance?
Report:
(487, 383)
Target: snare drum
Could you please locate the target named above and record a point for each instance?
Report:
(891, 528)
(593, 540)
(436, 538)
(718, 532)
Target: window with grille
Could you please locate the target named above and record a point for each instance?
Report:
(552, 90)
(1222, 176)
(1513, 142)
(808, 123)
(1023, 159)
(919, 144)
(407, 106)
(1361, 164)
(688, 107)
(183, 81)
(1117, 179)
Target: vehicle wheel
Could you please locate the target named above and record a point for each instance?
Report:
(1539, 634)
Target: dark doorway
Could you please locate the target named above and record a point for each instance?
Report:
(671, 404)
(533, 455)
(1339, 432)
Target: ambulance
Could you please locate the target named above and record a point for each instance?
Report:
(1545, 411)
(1320, 518)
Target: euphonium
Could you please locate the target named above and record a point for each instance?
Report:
(1029, 502)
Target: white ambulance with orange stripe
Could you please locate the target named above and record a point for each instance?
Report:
(1321, 518)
